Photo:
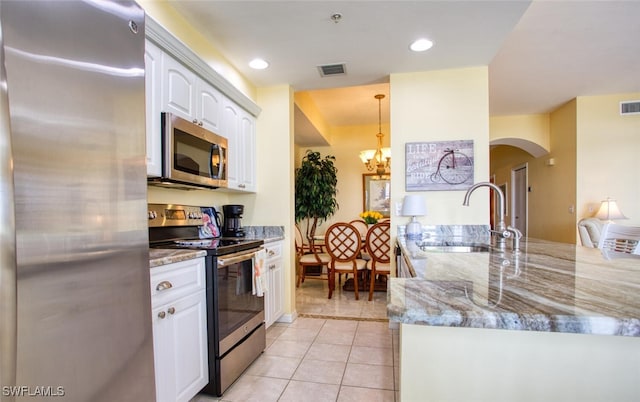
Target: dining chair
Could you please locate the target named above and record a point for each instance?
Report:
(379, 246)
(308, 256)
(619, 241)
(343, 243)
(362, 228)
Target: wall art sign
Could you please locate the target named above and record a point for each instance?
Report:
(439, 165)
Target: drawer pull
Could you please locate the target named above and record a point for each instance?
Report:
(164, 285)
(273, 266)
(171, 310)
(162, 314)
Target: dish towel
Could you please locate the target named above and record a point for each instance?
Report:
(259, 281)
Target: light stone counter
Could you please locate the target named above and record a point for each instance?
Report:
(162, 256)
(533, 327)
(550, 287)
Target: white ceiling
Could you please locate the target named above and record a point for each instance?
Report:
(540, 54)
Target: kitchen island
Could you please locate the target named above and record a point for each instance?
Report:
(553, 322)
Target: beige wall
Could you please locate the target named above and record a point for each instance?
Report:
(273, 203)
(591, 145)
(437, 106)
(608, 156)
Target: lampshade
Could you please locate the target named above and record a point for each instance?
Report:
(414, 205)
(609, 210)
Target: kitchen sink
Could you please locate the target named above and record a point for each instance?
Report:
(475, 248)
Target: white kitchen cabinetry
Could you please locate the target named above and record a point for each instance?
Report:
(189, 96)
(153, 100)
(239, 129)
(274, 296)
(179, 329)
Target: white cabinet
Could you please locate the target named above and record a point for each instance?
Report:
(179, 329)
(274, 296)
(239, 129)
(153, 100)
(189, 96)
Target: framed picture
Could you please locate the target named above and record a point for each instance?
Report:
(376, 193)
(439, 165)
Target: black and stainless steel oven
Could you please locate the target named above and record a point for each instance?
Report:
(235, 316)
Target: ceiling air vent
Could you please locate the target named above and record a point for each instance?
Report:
(332, 69)
(630, 107)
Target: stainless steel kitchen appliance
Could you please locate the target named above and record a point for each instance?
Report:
(233, 220)
(235, 316)
(75, 295)
(192, 156)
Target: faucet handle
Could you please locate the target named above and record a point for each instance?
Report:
(516, 233)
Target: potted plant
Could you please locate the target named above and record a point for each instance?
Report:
(315, 197)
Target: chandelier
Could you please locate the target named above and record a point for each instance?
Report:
(378, 159)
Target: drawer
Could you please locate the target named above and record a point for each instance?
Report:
(273, 250)
(173, 281)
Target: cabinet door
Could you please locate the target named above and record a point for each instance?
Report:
(179, 91)
(180, 348)
(189, 326)
(247, 180)
(209, 106)
(230, 130)
(274, 297)
(153, 100)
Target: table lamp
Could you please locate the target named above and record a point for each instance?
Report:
(609, 211)
(414, 205)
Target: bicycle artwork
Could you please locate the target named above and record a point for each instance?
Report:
(443, 165)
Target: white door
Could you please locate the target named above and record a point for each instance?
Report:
(519, 198)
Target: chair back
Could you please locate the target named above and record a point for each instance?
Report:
(379, 242)
(342, 241)
(299, 241)
(618, 240)
(589, 230)
(361, 226)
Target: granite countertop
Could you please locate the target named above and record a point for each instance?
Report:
(164, 256)
(550, 287)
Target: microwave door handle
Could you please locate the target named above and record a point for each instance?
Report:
(222, 167)
(212, 152)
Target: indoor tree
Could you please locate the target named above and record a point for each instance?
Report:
(316, 181)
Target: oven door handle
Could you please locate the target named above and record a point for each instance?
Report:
(236, 258)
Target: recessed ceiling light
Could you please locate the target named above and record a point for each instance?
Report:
(258, 64)
(421, 45)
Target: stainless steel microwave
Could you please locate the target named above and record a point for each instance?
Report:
(192, 155)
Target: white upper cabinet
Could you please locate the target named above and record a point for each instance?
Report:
(209, 106)
(239, 129)
(179, 89)
(153, 100)
(247, 163)
(189, 88)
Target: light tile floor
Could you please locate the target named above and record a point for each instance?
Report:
(336, 350)
(311, 301)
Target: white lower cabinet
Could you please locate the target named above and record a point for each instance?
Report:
(179, 330)
(274, 296)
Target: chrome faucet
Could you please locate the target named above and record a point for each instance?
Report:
(501, 229)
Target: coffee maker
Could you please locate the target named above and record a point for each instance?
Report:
(232, 218)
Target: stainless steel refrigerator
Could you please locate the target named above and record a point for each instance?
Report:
(75, 320)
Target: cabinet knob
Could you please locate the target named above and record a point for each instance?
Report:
(200, 123)
(164, 285)
(272, 266)
(171, 310)
(194, 121)
(162, 314)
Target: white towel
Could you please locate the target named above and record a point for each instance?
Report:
(259, 281)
